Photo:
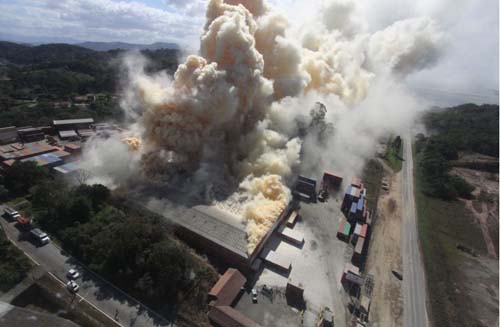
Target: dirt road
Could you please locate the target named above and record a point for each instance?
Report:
(385, 256)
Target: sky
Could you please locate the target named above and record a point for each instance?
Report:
(468, 68)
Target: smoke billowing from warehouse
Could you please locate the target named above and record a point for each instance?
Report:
(239, 107)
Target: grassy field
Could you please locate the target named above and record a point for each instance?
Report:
(393, 157)
(443, 224)
(372, 178)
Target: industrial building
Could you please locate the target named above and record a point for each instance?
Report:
(42, 154)
(45, 160)
(211, 230)
(31, 134)
(73, 128)
(66, 169)
(8, 135)
(19, 151)
(222, 297)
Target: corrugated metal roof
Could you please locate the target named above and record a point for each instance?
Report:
(44, 159)
(85, 132)
(70, 133)
(225, 316)
(227, 287)
(66, 168)
(73, 121)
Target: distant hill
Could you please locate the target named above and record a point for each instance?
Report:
(34, 78)
(106, 46)
(45, 53)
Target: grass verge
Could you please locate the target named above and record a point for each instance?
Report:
(393, 157)
(372, 178)
(14, 265)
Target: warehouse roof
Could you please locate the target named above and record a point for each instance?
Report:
(45, 159)
(73, 121)
(85, 132)
(227, 287)
(66, 168)
(226, 316)
(66, 134)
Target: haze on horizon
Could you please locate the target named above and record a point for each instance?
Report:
(467, 72)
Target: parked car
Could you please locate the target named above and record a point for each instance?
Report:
(11, 213)
(40, 237)
(73, 274)
(254, 295)
(72, 286)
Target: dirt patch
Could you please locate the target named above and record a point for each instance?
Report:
(385, 256)
(462, 291)
(485, 207)
(479, 280)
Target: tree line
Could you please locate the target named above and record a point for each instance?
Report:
(467, 128)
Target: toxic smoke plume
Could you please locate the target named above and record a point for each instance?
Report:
(240, 110)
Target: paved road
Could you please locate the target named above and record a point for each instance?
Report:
(94, 289)
(414, 288)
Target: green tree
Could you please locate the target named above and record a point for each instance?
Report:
(80, 210)
(21, 176)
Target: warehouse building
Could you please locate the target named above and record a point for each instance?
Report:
(31, 134)
(18, 151)
(222, 297)
(45, 160)
(66, 169)
(211, 230)
(73, 128)
(8, 135)
(42, 154)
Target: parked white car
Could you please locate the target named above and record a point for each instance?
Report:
(73, 274)
(72, 286)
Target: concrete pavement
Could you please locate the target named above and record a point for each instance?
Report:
(93, 288)
(414, 286)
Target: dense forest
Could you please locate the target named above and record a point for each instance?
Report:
(34, 79)
(464, 129)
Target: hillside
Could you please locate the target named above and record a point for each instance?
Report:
(36, 80)
(106, 46)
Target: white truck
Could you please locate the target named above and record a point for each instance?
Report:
(40, 237)
(11, 213)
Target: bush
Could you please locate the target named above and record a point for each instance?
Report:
(461, 186)
(14, 266)
(21, 176)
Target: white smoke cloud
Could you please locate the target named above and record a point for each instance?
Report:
(240, 109)
(109, 161)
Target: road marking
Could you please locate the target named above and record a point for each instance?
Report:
(84, 299)
(26, 254)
